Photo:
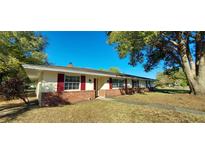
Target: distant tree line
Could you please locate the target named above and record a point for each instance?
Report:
(171, 78)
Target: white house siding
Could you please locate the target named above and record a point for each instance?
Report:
(103, 83)
(89, 82)
(129, 83)
(49, 81)
(38, 87)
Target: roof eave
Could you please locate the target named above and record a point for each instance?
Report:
(67, 70)
(43, 68)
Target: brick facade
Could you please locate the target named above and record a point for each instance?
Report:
(72, 97)
(118, 92)
(69, 97)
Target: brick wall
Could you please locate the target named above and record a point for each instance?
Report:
(118, 92)
(102, 93)
(111, 92)
(70, 97)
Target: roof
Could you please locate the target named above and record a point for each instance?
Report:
(81, 71)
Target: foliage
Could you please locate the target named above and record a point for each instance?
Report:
(17, 48)
(176, 49)
(102, 69)
(114, 70)
(14, 87)
(172, 78)
(163, 80)
(111, 69)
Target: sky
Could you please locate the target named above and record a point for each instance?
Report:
(89, 49)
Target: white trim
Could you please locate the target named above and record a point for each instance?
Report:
(72, 90)
(79, 89)
(67, 70)
(26, 66)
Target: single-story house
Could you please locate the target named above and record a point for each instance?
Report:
(57, 84)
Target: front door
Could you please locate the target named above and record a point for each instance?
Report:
(95, 87)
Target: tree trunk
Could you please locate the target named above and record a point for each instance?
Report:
(199, 89)
(200, 79)
(197, 83)
(195, 80)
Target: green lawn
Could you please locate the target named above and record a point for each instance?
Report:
(149, 107)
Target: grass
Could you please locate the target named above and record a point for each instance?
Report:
(117, 110)
(174, 99)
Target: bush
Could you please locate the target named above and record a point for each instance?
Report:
(14, 88)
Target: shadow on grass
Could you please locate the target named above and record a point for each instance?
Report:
(172, 91)
(12, 111)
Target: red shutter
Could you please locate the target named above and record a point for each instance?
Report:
(110, 82)
(82, 83)
(60, 84)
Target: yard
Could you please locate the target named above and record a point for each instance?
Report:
(150, 107)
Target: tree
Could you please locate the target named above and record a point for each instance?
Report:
(14, 87)
(102, 69)
(163, 80)
(180, 49)
(111, 69)
(114, 70)
(17, 48)
(171, 77)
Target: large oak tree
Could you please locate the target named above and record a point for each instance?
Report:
(179, 49)
(18, 48)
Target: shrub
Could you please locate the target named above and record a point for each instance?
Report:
(14, 87)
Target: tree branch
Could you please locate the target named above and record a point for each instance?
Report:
(198, 52)
(188, 52)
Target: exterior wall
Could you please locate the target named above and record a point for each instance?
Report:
(114, 92)
(89, 82)
(49, 81)
(129, 83)
(47, 89)
(142, 83)
(38, 88)
(103, 83)
(118, 92)
(71, 97)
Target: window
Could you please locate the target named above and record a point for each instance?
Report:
(72, 82)
(135, 83)
(147, 84)
(118, 83)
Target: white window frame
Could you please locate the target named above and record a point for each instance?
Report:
(118, 87)
(72, 82)
(136, 84)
